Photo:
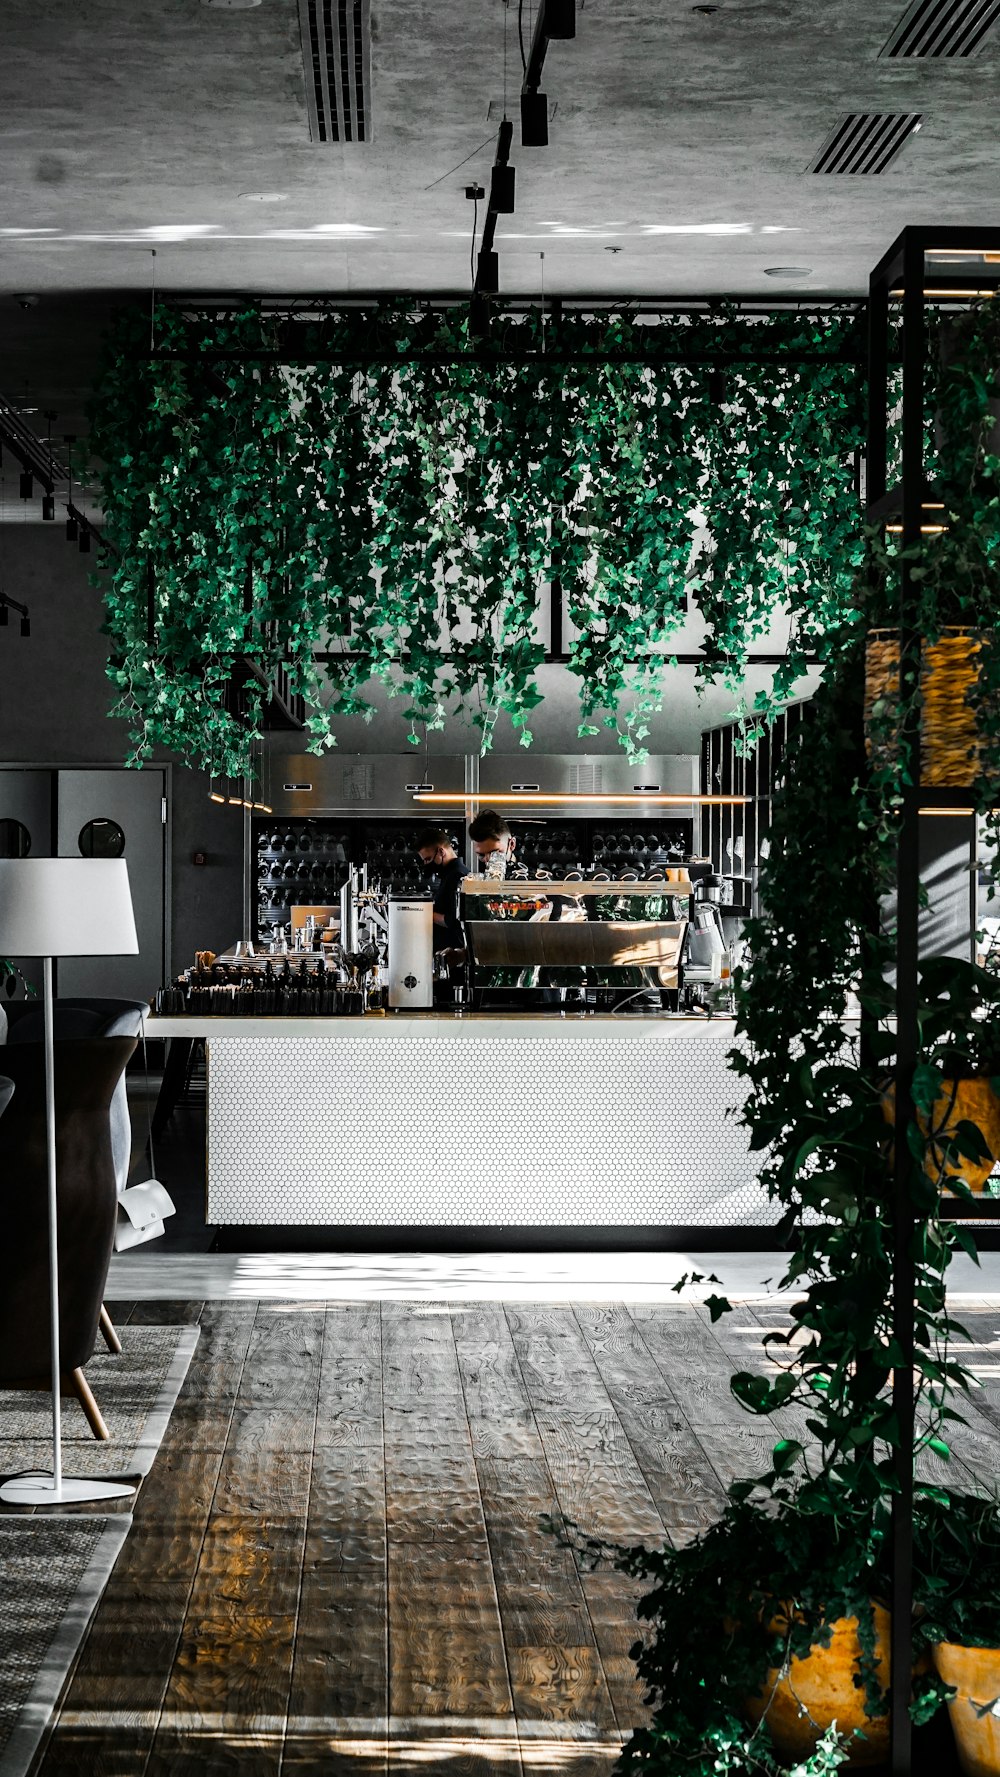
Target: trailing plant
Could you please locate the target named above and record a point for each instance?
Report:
(817, 1107)
(739, 1603)
(957, 1570)
(389, 512)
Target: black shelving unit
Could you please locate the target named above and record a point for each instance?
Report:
(305, 861)
(734, 835)
(901, 285)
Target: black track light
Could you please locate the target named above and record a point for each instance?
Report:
(488, 274)
(26, 625)
(4, 616)
(717, 387)
(479, 317)
(72, 529)
(84, 544)
(502, 191)
(26, 484)
(534, 120)
(49, 501)
(560, 18)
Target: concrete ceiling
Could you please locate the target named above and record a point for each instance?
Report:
(681, 140)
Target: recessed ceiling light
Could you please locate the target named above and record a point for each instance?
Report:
(788, 271)
(706, 11)
(263, 197)
(231, 5)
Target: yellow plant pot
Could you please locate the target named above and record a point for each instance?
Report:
(961, 1101)
(800, 1703)
(975, 1673)
(950, 743)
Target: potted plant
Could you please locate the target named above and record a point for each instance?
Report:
(957, 1549)
(769, 1640)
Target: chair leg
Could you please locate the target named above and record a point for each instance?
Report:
(111, 1338)
(95, 1419)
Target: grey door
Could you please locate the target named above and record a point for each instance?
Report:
(26, 832)
(117, 814)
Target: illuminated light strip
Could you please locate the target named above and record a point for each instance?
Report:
(458, 798)
(952, 295)
(926, 530)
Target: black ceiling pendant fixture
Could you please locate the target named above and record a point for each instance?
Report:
(72, 528)
(555, 21)
(49, 498)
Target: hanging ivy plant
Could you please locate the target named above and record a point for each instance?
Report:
(397, 504)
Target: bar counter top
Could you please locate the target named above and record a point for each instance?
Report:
(491, 1120)
(382, 1026)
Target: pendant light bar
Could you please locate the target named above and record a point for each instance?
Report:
(578, 799)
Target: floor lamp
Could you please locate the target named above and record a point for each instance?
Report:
(52, 907)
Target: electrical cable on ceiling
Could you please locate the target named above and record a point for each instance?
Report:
(520, 34)
(152, 304)
(506, 9)
(462, 163)
(472, 249)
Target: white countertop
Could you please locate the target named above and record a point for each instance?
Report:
(517, 1026)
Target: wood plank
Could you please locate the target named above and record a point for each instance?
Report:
(493, 1386)
(556, 1364)
(612, 1598)
(419, 1361)
(556, 1677)
(682, 1483)
(112, 1704)
(282, 1365)
(434, 1499)
(338, 1702)
(226, 1703)
(598, 1481)
(446, 1650)
(171, 1311)
(349, 1409)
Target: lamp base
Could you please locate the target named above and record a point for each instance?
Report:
(39, 1489)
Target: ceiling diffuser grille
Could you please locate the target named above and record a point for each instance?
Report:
(336, 52)
(866, 142)
(942, 28)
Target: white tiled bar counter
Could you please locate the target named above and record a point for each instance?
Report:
(475, 1122)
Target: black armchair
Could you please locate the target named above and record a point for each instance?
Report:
(87, 1072)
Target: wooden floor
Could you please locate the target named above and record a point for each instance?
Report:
(337, 1564)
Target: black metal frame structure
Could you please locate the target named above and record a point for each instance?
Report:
(901, 286)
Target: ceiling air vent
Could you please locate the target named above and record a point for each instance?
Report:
(866, 142)
(336, 53)
(942, 28)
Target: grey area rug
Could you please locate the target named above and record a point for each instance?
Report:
(52, 1573)
(55, 1565)
(135, 1392)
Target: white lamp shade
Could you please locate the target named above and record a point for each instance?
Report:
(66, 907)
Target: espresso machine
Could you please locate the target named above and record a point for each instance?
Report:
(707, 963)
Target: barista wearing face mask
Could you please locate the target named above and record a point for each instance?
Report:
(490, 834)
(446, 872)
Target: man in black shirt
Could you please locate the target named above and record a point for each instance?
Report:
(446, 872)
